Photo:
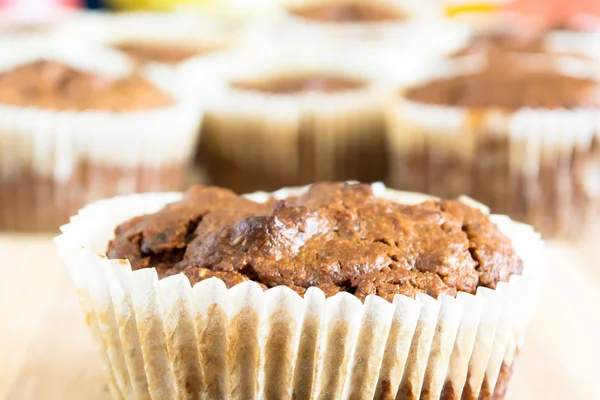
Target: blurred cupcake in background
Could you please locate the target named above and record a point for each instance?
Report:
(511, 33)
(369, 20)
(554, 27)
(506, 35)
(78, 125)
(400, 26)
(277, 117)
(519, 133)
(155, 38)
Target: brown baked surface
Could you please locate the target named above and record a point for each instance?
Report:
(56, 86)
(163, 52)
(337, 237)
(304, 83)
(349, 11)
(503, 85)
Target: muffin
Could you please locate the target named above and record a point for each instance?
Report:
(415, 27)
(354, 19)
(512, 33)
(276, 120)
(148, 38)
(335, 290)
(78, 127)
(549, 42)
(344, 17)
(517, 133)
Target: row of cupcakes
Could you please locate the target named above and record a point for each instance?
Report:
(78, 124)
(94, 110)
(290, 117)
(331, 291)
(517, 132)
(70, 102)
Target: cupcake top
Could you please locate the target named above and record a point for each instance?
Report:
(502, 84)
(337, 237)
(163, 52)
(56, 86)
(349, 11)
(302, 83)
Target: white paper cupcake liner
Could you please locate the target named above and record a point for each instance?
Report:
(164, 339)
(78, 157)
(536, 165)
(251, 139)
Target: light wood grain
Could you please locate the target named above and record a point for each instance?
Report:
(47, 353)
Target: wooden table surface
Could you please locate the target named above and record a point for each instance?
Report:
(47, 353)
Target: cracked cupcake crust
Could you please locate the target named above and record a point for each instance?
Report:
(337, 236)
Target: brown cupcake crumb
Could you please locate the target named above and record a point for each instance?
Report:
(503, 85)
(308, 83)
(164, 52)
(338, 237)
(55, 86)
(349, 11)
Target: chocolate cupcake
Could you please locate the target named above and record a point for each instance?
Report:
(149, 38)
(77, 127)
(517, 133)
(280, 121)
(416, 27)
(353, 19)
(337, 290)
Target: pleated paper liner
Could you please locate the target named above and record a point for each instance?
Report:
(166, 339)
(54, 162)
(538, 166)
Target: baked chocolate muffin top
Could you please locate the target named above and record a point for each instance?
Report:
(504, 85)
(163, 52)
(338, 237)
(56, 86)
(297, 84)
(349, 11)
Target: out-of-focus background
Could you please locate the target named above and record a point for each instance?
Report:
(495, 99)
